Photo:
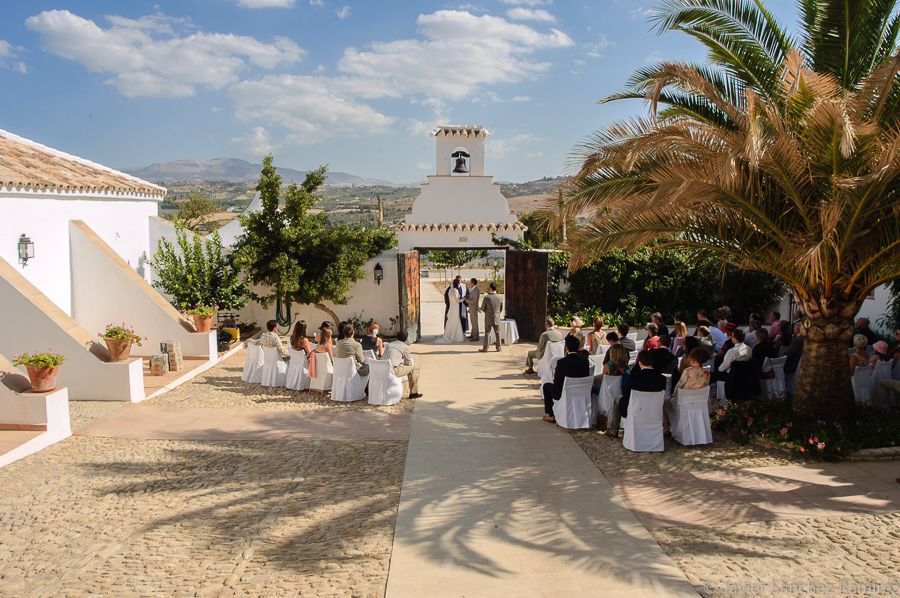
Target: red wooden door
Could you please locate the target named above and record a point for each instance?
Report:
(410, 309)
(526, 291)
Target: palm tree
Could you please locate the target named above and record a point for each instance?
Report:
(775, 159)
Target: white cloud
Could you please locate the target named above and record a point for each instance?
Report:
(343, 13)
(215, 109)
(314, 108)
(320, 69)
(534, 155)
(148, 59)
(257, 143)
(499, 148)
(522, 99)
(641, 12)
(423, 166)
(266, 3)
(5, 49)
(655, 56)
(316, 3)
(578, 62)
(528, 14)
(595, 55)
(527, 2)
(494, 51)
(417, 128)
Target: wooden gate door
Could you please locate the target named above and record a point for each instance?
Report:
(410, 309)
(526, 291)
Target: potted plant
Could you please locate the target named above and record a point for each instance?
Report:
(202, 315)
(41, 367)
(119, 339)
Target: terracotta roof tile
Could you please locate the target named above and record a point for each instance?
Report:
(25, 164)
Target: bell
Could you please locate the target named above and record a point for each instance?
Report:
(460, 167)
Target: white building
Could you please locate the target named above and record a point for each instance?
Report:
(459, 207)
(88, 229)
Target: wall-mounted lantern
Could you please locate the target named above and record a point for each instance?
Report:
(26, 250)
(379, 273)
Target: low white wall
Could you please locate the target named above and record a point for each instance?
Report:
(368, 300)
(31, 322)
(44, 217)
(50, 409)
(106, 291)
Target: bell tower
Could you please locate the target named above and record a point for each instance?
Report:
(459, 141)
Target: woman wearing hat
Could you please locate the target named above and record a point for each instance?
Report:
(577, 324)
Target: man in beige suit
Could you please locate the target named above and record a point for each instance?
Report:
(472, 303)
(348, 347)
(552, 334)
(492, 307)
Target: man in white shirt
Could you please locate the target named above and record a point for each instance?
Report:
(739, 352)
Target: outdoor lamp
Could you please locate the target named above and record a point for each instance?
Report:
(379, 273)
(26, 250)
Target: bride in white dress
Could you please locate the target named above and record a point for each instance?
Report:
(453, 332)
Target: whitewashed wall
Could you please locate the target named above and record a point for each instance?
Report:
(39, 325)
(470, 199)
(44, 218)
(106, 291)
(368, 300)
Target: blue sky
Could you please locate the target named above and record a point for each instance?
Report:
(355, 85)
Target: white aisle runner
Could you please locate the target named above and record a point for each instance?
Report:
(497, 502)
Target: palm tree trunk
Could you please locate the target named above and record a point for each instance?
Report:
(823, 388)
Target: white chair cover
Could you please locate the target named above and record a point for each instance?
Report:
(644, 424)
(324, 372)
(668, 385)
(274, 370)
(689, 422)
(632, 336)
(790, 380)
(860, 382)
(298, 370)
(553, 349)
(348, 385)
(253, 365)
(597, 362)
(385, 388)
(775, 386)
(601, 351)
(368, 355)
(573, 409)
(882, 372)
(632, 358)
(610, 388)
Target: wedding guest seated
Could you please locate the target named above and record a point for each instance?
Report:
(299, 342)
(738, 352)
(573, 365)
(702, 320)
(690, 343)
(764, 348)
(576, 324)
(341, 332)
(775, 328)
(616, 363)
(859, 357)
(750, 338)
(270, 338)
(784, 338)
(664, 360)
(325, 325)
(349, 347)
(550, 335)
(626, 342)
(401, 360)
(371, 342)
(794, 350)
(726, 314)
(613, 339)
(644, 379)
(727, 329)
(717, 335)
(325, 345)
(694, 377)
(661, 327)
(596, 337)
(862, 327)
(880, 350)
(703, 335)
(678, 342)
(652, 340)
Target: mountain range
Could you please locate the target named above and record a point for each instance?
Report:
(235, 171)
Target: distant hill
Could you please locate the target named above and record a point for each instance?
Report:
(235, 171)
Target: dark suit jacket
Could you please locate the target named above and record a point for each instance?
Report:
(664, 361)
(793, 353)
(645, 380)
(572, 365)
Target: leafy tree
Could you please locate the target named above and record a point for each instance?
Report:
(195, 209)
(455, 258)
(292, 256)
(769, 158)
(195, 270)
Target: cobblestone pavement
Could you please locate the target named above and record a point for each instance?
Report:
(113, 517)
(222, 388)
(815, 556)
(81, 413)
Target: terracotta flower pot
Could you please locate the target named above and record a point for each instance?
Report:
(202, 323)
(119, 348)
(42, 379)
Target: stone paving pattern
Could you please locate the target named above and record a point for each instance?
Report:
(114, 517)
